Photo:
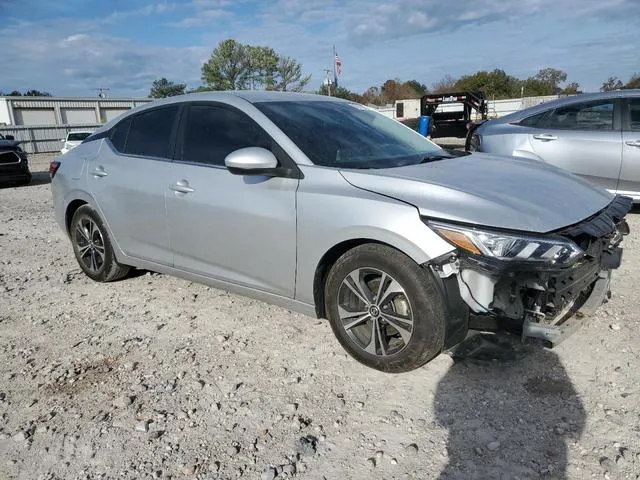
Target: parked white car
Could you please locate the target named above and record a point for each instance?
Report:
(73, 139)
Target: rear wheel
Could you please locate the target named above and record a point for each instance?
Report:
(92, 247)
(385, 309)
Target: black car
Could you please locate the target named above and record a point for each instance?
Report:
(14, 166)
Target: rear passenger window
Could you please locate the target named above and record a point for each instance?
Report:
(211, 133)
(118, 136)
(150, 133)
(583, 116)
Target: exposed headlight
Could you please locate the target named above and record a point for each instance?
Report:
(510, 247)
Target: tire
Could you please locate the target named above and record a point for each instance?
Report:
(409, 293)
(95, 257)
(25, 181)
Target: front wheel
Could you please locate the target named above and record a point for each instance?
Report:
(385, 309)
(92, 247)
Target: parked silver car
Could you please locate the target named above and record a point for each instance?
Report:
(596, 136)
(329, 208)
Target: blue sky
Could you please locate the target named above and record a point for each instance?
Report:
(72, 47)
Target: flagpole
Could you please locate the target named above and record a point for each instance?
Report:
(335, 76)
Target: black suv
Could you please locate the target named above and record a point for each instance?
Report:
(14, 167)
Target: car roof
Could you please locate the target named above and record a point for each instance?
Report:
(233, 97)
(582, 97)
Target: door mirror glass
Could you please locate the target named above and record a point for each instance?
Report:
(251, 161)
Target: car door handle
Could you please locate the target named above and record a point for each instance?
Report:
(182, 187)
(633, 143)
(545, 137)
(99, 172)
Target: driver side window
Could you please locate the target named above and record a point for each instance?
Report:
(212, 132)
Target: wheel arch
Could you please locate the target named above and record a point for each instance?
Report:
(329, 259)
(71, 209)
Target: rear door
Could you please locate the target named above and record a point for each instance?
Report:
(630, 173)
(129, 179)
(584, 138)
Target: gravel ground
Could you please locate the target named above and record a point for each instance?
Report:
(156, 377)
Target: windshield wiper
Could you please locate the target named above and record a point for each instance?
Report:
(435, 157)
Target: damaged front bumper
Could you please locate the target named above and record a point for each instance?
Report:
(536, 301)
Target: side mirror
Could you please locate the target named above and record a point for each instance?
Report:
(63, 140)
(252, 161)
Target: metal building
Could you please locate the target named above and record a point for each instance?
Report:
(41, 122)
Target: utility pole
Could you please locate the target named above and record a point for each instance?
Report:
(328, 80)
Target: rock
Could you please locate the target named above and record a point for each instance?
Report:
(292, 407)
(21, 436)
(268, 474)
(493, 446)
(340, 403)
(608, 464)
(189, 470)
(411, 449)
(371, 462)
(289, 470)
(122, 402)
(379, 454)
(394, 461)
(395, 416)
(477, 451)
(143, 426)
(305, 446)
(615, 327)
(233, 450)
(156, 434)
(360, 405)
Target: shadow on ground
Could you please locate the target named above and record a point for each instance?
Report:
(509, 410)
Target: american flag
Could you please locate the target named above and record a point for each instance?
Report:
(338, 65)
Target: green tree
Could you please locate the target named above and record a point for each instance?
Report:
(612, 83)
(15, 93)
(572, 89)
(288, 76)
(199, 89)
(374, 96)
(163, 88)
(36, 93)
(263, 65)
(341, 92)
(552, 78)
(634, 82)
(228, 67)
(419, 88)
(495, 84)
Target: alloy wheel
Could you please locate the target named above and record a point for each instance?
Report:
(89, 244)
(375, 311)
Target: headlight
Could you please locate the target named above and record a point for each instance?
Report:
(510, 247)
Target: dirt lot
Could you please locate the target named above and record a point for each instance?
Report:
(156, 377)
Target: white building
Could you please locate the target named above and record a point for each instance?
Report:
(40, 111)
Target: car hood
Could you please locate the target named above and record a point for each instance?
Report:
(486, 190)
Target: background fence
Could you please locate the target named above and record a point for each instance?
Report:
(43, 138)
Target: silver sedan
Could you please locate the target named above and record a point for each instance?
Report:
(596, 136)
(329, 208)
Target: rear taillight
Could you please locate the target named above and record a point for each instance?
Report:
(53, 168)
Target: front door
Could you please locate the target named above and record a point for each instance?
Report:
(239, 229)
(630, 173)
(583, 138)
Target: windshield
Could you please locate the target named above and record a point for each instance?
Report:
(77, 136)
(348, 135)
